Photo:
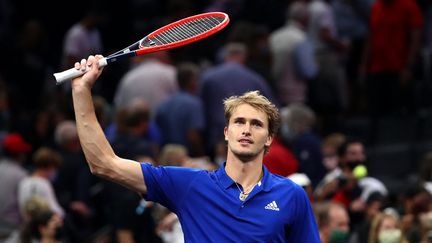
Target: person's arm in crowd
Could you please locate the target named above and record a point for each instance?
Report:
(364, 59)
(125, 236)
(98, 152)
(334, 42)
(413, 50)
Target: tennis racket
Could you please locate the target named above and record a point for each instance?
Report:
(176, 34)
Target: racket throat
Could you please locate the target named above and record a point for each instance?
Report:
(120, 57)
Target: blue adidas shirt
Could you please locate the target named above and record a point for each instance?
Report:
(209, 208)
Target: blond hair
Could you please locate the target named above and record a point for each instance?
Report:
(259, 102)
(46, 157)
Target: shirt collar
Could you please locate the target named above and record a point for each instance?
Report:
(227, 182)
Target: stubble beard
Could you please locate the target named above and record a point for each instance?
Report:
(246, 156)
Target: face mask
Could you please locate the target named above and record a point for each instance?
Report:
(59, 232)
(354, 163)
(390, 236)
(338, 236)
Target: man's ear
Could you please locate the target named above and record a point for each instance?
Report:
(269, 140)
(225, 133)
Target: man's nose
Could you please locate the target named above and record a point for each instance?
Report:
(246, 129)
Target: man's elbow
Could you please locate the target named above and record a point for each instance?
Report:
(97, 170)
(101, 169)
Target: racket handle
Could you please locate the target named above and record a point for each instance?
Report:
(69, 74)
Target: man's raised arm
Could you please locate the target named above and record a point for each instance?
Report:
(98, 152)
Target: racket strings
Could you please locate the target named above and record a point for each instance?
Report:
(186, 30)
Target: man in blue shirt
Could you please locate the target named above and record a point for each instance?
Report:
(181, 117)
(239, 202)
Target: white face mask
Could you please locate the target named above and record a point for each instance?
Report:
(390, 236)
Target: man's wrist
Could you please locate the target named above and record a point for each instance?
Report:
(81, 87)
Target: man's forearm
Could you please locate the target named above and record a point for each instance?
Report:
(96, 148)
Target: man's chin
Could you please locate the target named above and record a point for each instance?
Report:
(246, 156)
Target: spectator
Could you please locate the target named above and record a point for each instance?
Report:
(128, 214)
(328, 94)
(12, 172)
(386, 228)
(73, 183)
(333, 222)
(173, 155)
(329, 148)
(352, 154)
(133, 122)
(280, 159)
(351, 19)
(65, 184)
(353, 185)
(152, 79)
(83, 38)
(181, 117)
(293, 62)
(394, 40)
(32, 207)
(151, 134)
(373, 207)
(46, 162)
(231, 77)
(43, 226)
(297, 129)
(417, 201)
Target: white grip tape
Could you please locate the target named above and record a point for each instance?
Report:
(73, 72)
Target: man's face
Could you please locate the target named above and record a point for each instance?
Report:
(354, 156)
(247, 133)
(355, 152)
(339, 219)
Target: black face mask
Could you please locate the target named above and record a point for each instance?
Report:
(59, 233)
(353, 163)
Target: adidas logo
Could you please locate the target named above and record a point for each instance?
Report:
(272, 206)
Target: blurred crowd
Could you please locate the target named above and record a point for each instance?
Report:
(322, 62)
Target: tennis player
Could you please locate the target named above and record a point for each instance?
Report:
(239, 202)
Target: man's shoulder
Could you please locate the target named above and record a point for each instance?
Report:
(12, 168)
(281, 182)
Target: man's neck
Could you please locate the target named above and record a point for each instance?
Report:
(244, 173)
(40, 173)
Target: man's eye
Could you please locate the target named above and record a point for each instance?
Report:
(238, 122)
(257, 124)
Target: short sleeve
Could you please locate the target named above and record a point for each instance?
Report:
(168, 185)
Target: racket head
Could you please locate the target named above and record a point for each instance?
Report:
(183, 32)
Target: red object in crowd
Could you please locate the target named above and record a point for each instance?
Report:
(280, 160)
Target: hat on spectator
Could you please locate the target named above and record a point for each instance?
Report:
(14, 143)
(300, 179)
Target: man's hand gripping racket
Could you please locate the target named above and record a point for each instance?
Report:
(176, 34)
